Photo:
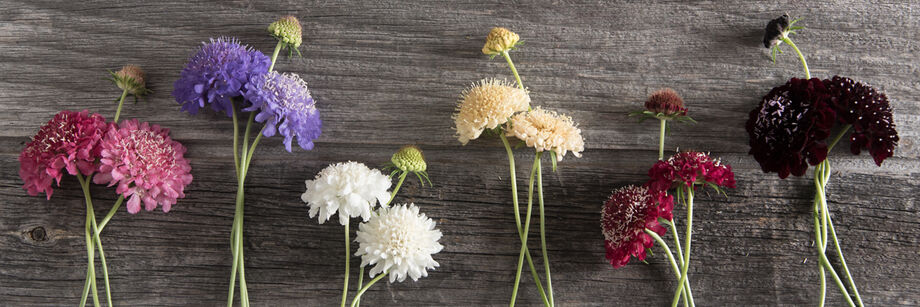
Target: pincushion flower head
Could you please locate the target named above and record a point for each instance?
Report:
(625, 217)
(145, 164)
(69, 141)
(216, 73)
(288, 31)
(868, 112)
(789, 128)
(399, 241)
(285, 106)
(131, 78)
(689, 168)
(487, 105)
(665, 102)
(409, 159)
(500, 40)
(547, 131)
(349, 188)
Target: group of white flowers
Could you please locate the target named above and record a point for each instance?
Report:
(397, 240)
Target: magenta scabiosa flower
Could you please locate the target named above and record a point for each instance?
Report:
(145, 164)
(216, 73)
(690, 167)
(626, 215)
(789, 128)
(69, 141)
(868, 111)
(286, 107)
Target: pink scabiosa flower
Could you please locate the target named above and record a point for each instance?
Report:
(626, 215)
(68, 141)
(690, 168)
(145, 163)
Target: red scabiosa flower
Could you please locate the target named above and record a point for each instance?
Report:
(868, 111)
(68, 141)
(145, 163)
(625, 216)
(216, 73)
(666, 102)
(688, 168)
(789, 128)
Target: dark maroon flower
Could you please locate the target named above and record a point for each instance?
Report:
(625, 216)
(789, 128)
(688, 168)
(774, 31)
(665, 101)
(868, 112)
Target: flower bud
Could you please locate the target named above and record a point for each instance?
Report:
(130, 78)
(500, 40)
(666, 101)
(775, 31)
(410, 159)
(287, 30)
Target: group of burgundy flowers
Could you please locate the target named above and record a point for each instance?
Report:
(139, 159)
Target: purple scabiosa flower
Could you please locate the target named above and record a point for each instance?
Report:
(218, 72)
(285, 106)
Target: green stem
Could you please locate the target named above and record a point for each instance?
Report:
(90, 250)
(549, 280)
(513, 70)
(822, 284)
(686, 264)
(664, 123)
(118, 202)
(360, 284)
(275, 55)
(843, 261)
(402, 177)
(801, 57)
(364, 289)
(822, 259)
(673, 263)
(838, 137)
(517, 220)
(347, 264)
(236, 141)
(121, 101)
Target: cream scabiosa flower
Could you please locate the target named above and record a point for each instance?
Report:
(400, 241)
(350, 188)
(546, 130)
(487, 105)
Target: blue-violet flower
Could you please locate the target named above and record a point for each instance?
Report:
(218, 72)
(285, 106)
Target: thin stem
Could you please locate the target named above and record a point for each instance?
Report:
(347, 264)
(843, 261)
(801, 57)
(671, 260)
(549, 280)
(402, 177)
(838, 137)
(92, 214)
(822, 259)
(525, 252)
(252, 148)
(121, 199)
(683, 269)
(822, 283)
(664, 123)
(369, 284)
(680, 253)
(360, 284)
(275, 55)
(121, 101)
(825, 167)
(236, 141)
(90, 250)
(513, 70)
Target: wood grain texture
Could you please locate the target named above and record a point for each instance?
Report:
(387, 73)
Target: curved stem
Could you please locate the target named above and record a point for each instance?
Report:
(275, 55)
(347, 264)
(549, 280)
(683, 269)
(402, 177)
(838, 137)
(822, 259)
(513, 70)
(360, 284)
(236, 141)
(825, 172)
(90, 250)
(121, 101)
(673, 263)
(369, 284)
(118, 202)
(664, 124)
(822, 284)
(252, 148)
(801, 57)
(843, 261)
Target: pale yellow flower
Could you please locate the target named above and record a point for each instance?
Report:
(500, 40)
(547, 130)
(487, 105)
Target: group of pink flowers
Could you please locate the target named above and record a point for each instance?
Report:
(141, 159)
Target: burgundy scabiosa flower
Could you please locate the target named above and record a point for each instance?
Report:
(789, 128)
(68, 141)
(625, 216)
(285, 106)
(145, 163)
(690, 167)
(666, 102)
(216, 73)
(868, 111)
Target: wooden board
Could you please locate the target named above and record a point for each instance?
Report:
(387, 73)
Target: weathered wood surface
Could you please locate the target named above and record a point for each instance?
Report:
(387, 73)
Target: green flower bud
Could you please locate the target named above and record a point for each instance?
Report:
(409, 159)
(287, 30)
(130, 78)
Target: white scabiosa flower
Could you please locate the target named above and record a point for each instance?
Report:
(547, 130)
(400, 241)
(350, 188)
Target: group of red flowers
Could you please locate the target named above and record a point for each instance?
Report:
(141, 159)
